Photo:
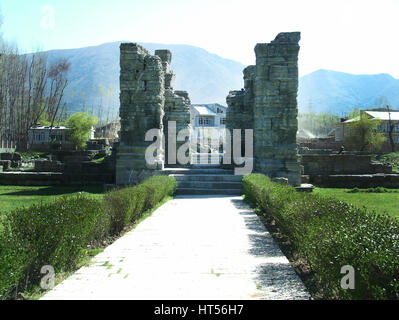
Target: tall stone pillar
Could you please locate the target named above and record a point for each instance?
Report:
(275, 108)
(240, 111)
(142, 99)
(177, 107)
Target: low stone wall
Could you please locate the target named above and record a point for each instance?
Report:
(74, 173)
(356, 181)
(73, 156)
(332, 164)
(89, 173)
(321, 143)
(49, 166)
(305, 150)
(330, 143)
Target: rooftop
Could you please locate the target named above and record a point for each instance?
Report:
(40, 127)
(383, 115)
(204, 111)
(378, 115)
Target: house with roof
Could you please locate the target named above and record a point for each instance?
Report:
(208, 123)
(208, 115)
(39, 135)
(342, 128)
(42, 137)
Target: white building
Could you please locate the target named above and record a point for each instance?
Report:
(42, 135)
(209, 130)
(209, 115)
(39, 135)
(342, 129)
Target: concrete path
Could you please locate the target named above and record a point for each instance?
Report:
(193, 247)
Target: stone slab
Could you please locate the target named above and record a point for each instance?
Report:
(193, 247)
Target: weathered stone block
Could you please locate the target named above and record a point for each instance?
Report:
(269, 98)
(147, 102)
(6, 164)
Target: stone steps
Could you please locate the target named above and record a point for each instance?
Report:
(208, 177)
(209, 184)
(198, 171)
(212, 181)
(197, 191)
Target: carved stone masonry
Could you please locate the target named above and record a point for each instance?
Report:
(268, 104)
(147, 101)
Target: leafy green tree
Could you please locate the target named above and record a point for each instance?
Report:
(80, 125)
(354, 113)
(363, 134)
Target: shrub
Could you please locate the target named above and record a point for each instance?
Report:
(330, 234)
(45, 234)
(55, 233)
(128, 204)
(371, 190)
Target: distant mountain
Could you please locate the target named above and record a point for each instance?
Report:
(207, 77)
(338, 92)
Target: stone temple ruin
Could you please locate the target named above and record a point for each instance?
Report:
(147, 101)
(267, 104)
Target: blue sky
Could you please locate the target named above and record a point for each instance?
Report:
(351, 36)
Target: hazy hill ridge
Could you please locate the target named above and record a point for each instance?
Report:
(208, 78)
(339, 92)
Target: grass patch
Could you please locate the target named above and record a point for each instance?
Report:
(107, 264)
(13, 197)
(99, 160)
(381, 201)
(61, 232)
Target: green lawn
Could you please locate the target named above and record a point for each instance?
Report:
(12, 197)
(380, 202)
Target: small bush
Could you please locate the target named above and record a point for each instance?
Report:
(45, 234)
(331, 234)
(128, 204)
(371, 190)
(55, 233)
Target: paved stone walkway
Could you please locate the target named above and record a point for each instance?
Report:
(196, 247)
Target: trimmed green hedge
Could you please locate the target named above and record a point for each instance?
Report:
(126, 205)
(56, 233)
(330, 234)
